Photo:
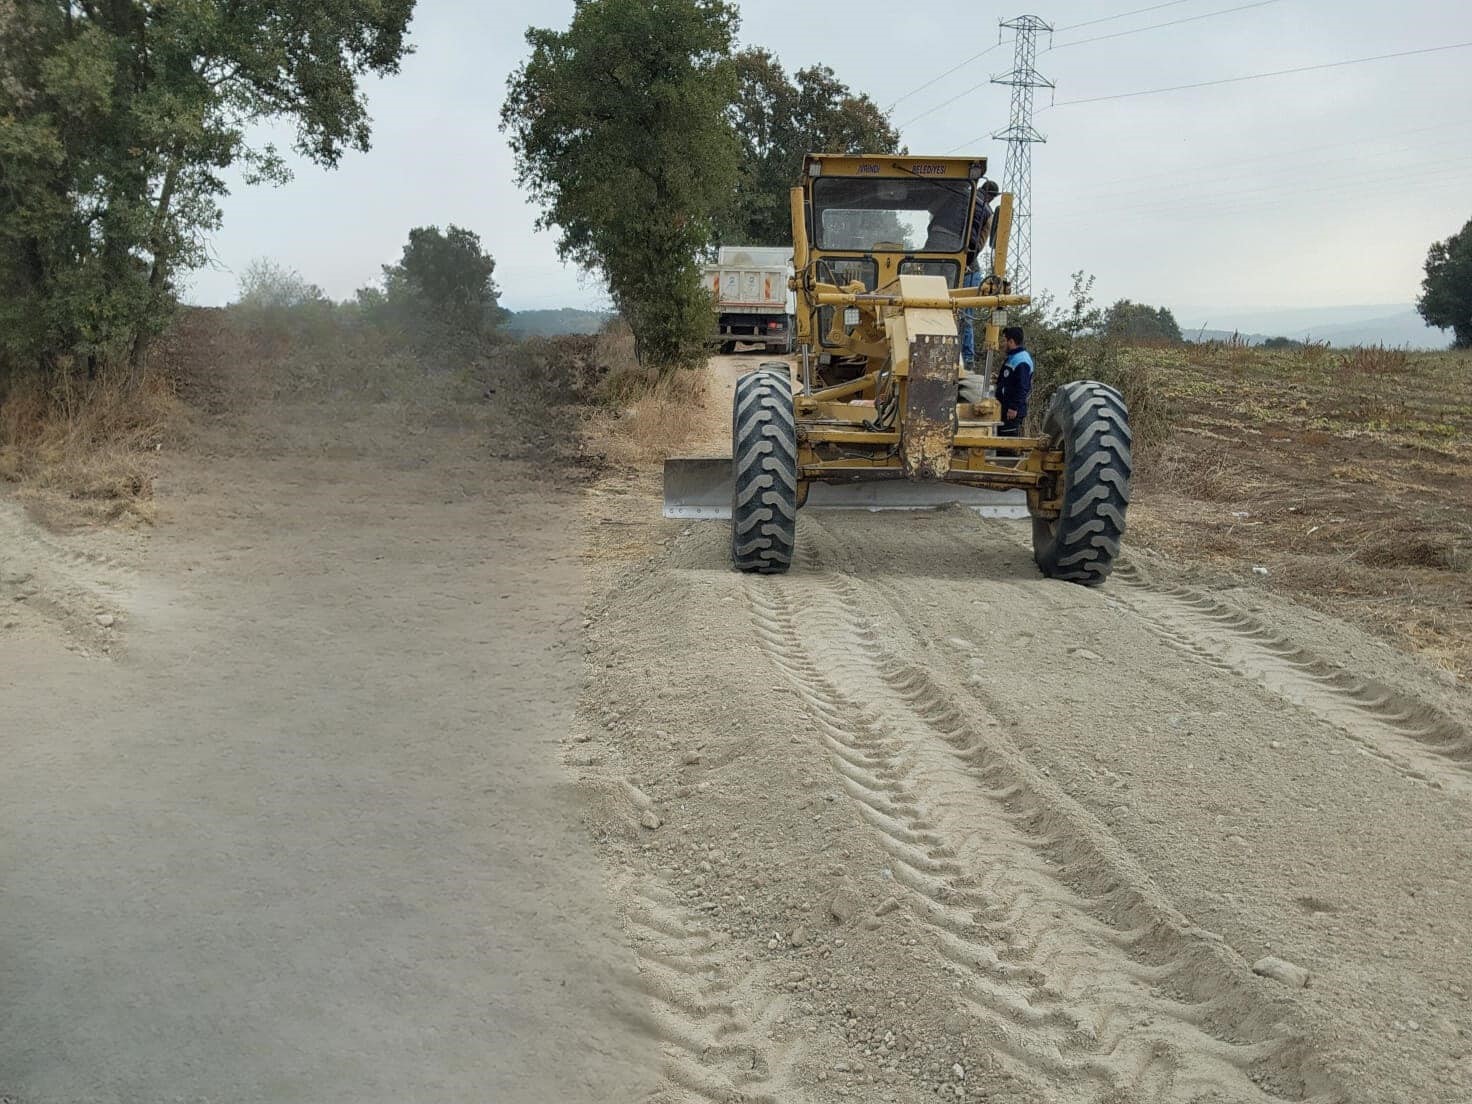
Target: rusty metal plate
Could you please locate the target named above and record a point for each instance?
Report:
(927, 423)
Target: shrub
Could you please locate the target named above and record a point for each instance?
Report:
(266, 285)
(1072, 343)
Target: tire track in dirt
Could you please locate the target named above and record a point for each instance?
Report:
(1411, 737)
(83, 592)
(1073, 989)
(710, 1012)
(1416, 739)
(710, 1051)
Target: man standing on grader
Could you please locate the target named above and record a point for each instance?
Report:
(882, 413)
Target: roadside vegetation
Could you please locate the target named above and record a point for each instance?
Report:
(1334, 475)
(1077, 339)
(629, 129)
(620, 133)
(1337, 476)
(86, 448)
(117, 122)
(1446, 292)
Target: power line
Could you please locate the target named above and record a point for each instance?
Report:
(1176, 175)
(1274, 191)
(1263, 76)
(1080, 42)
(943, 76)
(943, 103)
(1424, 180)
(1158, 26)
(1121, 15)
(976, 57)
(1262, 205)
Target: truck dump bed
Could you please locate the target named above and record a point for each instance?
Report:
(754, 304)
(750, 279)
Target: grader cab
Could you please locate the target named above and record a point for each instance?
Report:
(881, 413)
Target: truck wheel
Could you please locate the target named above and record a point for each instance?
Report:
(1088, 421)
(727, 348)
(764, 471)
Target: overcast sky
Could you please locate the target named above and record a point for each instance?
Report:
(1315, 189)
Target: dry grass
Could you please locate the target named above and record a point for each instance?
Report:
(624, 378)
(1373, 360)
(89, 453)
(1341, 471)
(648, 416)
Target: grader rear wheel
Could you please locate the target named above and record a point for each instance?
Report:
(764, 470)
(1088, 421)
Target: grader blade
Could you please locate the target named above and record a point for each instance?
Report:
(699, 488)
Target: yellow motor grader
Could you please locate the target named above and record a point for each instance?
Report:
(881, 413)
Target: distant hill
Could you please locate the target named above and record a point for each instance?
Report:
(550, 323)
(1384, 324)
(1403, 328)
(1225, 335)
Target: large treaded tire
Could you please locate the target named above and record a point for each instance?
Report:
(1089, 422)
(764, 472)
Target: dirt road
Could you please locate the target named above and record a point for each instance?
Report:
(291, 825)
(313, 816)
(933, 826)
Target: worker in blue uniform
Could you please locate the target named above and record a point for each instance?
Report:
(1014, 382)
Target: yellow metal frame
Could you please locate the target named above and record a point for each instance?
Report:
(886, 423)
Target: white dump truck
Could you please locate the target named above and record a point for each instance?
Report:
(754, 305)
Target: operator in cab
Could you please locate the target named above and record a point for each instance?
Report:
(978, 237)
(1014, 382)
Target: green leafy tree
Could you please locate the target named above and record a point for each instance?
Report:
(1137, 322)
(448, 275)
(779, 121)
(1446, 292)
(117, 120)
(620, 133)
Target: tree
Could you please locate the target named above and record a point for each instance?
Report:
(1138, 322)
(448, 275)
(116, 122)
(266, 285)
(1446, 292)
(779, 121)
(620, 133)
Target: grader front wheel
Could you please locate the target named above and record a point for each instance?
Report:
(764, 471)
(1090, 424)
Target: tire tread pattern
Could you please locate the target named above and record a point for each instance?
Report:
(764, 472)
(1090, 422)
